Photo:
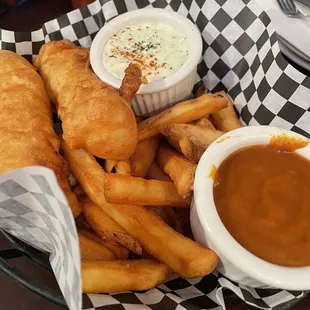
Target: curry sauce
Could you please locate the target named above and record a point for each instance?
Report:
(262, 195)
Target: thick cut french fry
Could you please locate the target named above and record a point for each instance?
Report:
(191, 140)
(119, 251)
(107, 228)
(90, 176)
(143, 156)
(200, 136)
(173, 137)
(110, 165)
(226, 119)
(204, 122)
(190, 150)
(120, 276)
(121, 189)
(121, 167)
(156, 173)
(183, 112)
(86, 170)
(168, 215)
(92, 250)
(184, 256)
(180, 170)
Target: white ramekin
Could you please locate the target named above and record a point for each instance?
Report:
(156, 96)
(236, 263)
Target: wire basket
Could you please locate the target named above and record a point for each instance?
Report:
(21, 249)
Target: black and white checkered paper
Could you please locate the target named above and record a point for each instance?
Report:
(34, 209)
(241, 55)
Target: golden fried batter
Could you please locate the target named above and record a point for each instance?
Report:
(27, 137)
(131, 83)
(94, 115)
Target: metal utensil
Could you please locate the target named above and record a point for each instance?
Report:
(289, 8)
(305, 3)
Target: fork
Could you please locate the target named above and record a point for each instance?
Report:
(289, 8)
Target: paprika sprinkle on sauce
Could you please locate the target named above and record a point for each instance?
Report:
(159, 49)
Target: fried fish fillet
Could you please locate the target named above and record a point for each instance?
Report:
(95, 116)
(27, 137)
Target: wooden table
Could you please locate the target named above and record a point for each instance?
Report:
(31, 16)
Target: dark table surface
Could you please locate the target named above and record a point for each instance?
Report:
(30, 16)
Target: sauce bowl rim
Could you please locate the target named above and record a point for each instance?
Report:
(290, 278)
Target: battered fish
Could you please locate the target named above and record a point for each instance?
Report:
(27, 137)
(95, 116)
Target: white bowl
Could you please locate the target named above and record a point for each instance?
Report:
(156, 96)
(236, 263)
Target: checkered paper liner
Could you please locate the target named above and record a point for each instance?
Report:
(241, 55)
(34, 209)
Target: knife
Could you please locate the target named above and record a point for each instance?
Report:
(304, 2)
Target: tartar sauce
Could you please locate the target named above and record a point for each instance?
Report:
(159, 49)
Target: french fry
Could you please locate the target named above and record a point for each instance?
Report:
(168, 215)
(204, 122)
(106, 227)
(156, 173)
(90, 176)
(184, 256)
(92, 250)
(119, 251)
(190, 150)
(180, 170)
(120, 276)
(86, 170)
(121, 189)
(110, 165)
(121, 167)
(190, 140)
(226, 119)
(202, 137)
(143, 156)
(173, 137)
(181, 254)
(183, 112)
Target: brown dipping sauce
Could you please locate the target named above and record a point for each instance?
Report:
(262, 196)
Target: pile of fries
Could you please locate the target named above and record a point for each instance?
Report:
(134, 231)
